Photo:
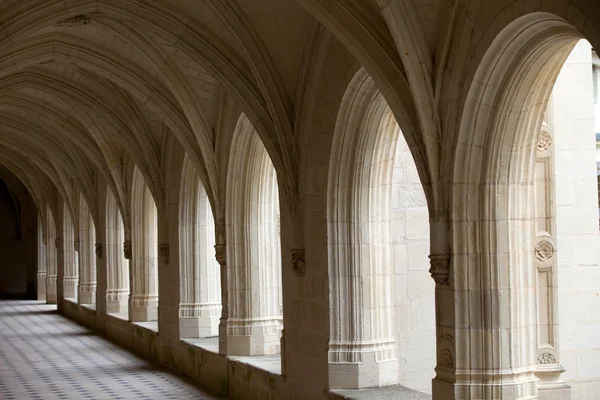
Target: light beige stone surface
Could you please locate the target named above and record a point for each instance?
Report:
(284, 198)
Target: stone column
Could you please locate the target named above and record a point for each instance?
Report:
(51, 265)
(87, 257)
(70, 278)
(200, 306)
(41, 270)
(221, 257)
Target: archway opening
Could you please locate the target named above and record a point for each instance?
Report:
(117, 266)
(506, 224)
(200, 296)
(143, 305)
(382, 328)
(255, 314)
(87, 254)
(70, 257)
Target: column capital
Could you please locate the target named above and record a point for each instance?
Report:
(221, 254)
(440, 268)
(164, 253)
(98, 249)
(127, 249)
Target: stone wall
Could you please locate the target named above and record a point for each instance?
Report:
(578, 242)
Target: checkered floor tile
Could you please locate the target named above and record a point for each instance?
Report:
(44, 355)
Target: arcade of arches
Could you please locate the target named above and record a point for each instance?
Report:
(303, 199)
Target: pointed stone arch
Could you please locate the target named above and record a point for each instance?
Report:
(253, 247)
(200, 299)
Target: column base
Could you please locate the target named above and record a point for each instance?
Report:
(550, 387)
(199, 320)
(41, 287)
(362, 365)
(253, 338)
(492, 386)
(70, 287)
(87, 294)
(116, 301)
(51, 290)
(143, 308)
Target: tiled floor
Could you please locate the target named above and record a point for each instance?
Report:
(43, 355)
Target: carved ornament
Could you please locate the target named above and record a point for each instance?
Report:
(440, 268)
(76, 20)
(164, 253)
(546, 358)
(445, 353)
(544, 251)
(298, 262)
(98, 249)
(544, 142)
(220, 253)
(127, 249)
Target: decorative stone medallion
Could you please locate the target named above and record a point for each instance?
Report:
(544, 142)
(98, 249)
(76, 20)
(127, 249)
(544, 251)
(164, 253)
(440, 268)
(298, 262)
(546, 358)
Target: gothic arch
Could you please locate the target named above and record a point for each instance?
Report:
(492, 203)
(87, 254)
(369, 204)
(253, 247)
(144, 252)
(117, 291)
(200, 301)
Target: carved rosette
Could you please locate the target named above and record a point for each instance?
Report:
(164, 253)
(220, 254)
(544, 252)
(76, 20)
(98, 249)
(127, 249)
(440, 268)
(544, 143)
(546, 358)
(298, 262)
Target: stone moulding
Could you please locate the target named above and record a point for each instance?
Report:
(127, 249)
(298, 262)
(440, 268)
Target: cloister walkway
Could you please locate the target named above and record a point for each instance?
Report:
(44, 355)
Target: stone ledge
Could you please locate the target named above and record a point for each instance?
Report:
(395, 392)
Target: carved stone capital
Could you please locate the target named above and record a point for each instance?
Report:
(298, 262)
(164, 253)
(127, 249)
(440, 268)
(98, 249)
(220, 254)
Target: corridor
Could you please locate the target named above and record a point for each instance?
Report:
(43, 355)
